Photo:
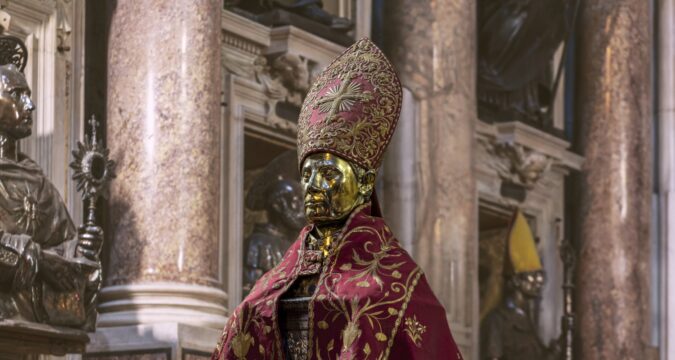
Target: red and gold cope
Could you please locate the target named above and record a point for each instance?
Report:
(372, 302)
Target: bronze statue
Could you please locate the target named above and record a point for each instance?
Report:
(508, 332)
(517, 41)
(49, 271)
(277, 191)
(311, 9)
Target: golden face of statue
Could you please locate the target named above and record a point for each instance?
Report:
(16, 106)
(333, 187)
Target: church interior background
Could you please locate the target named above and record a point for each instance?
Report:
(568, 116)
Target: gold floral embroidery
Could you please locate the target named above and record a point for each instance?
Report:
(360, 312)
(239, 325)
(366, 349)
(415, 330)
(241, 343)
(374, 268)
(350, 333)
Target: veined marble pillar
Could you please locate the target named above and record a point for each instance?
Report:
(666, 115)
(163, 122)
(433, 46)
(615, 114)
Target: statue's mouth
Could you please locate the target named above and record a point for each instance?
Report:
(316, 205)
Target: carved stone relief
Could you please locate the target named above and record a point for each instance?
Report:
(63, 26)
(285, 78)
(516, 163)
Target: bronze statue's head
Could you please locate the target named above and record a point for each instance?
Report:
(284, 204)
(16, 106)
(529, 283)
(333, 187)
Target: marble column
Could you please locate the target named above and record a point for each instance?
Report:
(666, 119)
(433, 46)
(614, 111)
(163, 123)
(399, 201)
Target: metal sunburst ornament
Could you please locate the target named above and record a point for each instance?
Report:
(93, 169)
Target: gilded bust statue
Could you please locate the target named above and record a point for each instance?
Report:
(345, 289)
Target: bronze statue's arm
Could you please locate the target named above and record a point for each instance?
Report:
(19, 258)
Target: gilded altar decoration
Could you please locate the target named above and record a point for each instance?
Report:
(345, 289)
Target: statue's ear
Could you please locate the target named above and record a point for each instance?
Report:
(367, 183)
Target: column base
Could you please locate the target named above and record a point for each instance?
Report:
(153, 303)
(162, 341)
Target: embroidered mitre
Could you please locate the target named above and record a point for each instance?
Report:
(352, 108)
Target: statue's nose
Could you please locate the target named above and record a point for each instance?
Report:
(314, 181)
(28, 104)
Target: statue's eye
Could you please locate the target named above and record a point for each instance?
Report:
(329, 173)
(305, 174)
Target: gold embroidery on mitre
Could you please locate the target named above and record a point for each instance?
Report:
(415, 330)
(342, 97)
(330, 120)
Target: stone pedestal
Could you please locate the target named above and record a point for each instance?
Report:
(160, 341)
(614, 111)
(163, 128)
(24, 340)
(433, 46)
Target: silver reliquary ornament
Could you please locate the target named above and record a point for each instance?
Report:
(93, 170)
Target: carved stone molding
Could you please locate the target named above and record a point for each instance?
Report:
(516, 163)
(285, 79)
(19, 338)
(63, 25)
(241, 43)
(282, 61)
